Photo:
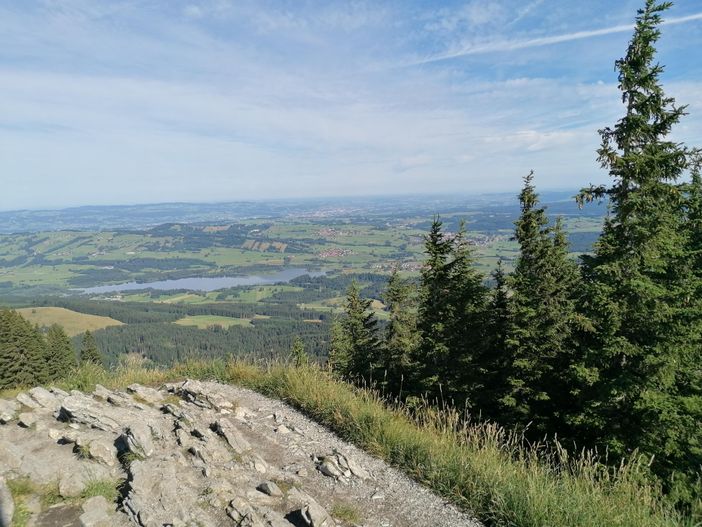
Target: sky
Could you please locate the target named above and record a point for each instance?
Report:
(143, 101)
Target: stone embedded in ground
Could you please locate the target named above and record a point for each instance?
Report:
(8, 410)
(80, 409)
(138, 439)
(203, 395)
(259, 464)
(27, 401)
(45, 398)
(96, 512)
(104, 451)
(350, 464)
(315, 515)
(7, 504)
(145, 393)
(27, 419)
(270, 488)
(234, 438)
(71, 484)
(243, 513)
(329, 468)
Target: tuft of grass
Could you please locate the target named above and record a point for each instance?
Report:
(171, 399)
(50, 495)
(23, 488)
(346, 513)
(20, 487)
(480, 467)
(107, 488)
(127, 458)
(21, 516)
(83, 452)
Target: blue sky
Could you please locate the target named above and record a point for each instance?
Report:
(135, 101)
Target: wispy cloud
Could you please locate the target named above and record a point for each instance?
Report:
(147, 100)
(512, 45)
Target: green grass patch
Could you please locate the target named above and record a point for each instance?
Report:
(73, 323)
(107, 488)
(207, 321)
(346, 513)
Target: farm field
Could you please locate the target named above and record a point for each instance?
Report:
(52, 262)
(207, 321)
(74, 323)
(45, 271)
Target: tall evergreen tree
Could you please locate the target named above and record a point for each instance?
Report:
(541, 320)
(641, 369)
(452, 310)
(469, 299)
(492, 364)
(89, 353)
(339, 348)
(360, 336)
(401, 335)
(298, 353)
(22, 352)
(694, 222)
(435, 309)
(60, 356)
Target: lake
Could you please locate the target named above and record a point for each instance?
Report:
(207, 283)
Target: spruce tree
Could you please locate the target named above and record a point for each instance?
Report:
(356, 347)
(469, 300)
(436, 311)
(541, 319)
(298, 355)
(89, 353)
(641, 370)
(694, 221)
(22, 352)
(361, 332)
(339, 349)
(492, 364)
(60, 356)
(401, 335)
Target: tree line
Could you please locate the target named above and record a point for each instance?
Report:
(30, 356)
(602, 353)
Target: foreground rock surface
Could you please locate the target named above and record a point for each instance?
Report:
(193, 454)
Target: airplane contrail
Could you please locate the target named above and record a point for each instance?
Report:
(510, 45)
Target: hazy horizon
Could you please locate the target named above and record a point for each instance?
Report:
(544, 193)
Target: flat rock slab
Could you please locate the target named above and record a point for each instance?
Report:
(60, 516)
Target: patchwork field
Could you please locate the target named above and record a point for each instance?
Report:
(73, 322)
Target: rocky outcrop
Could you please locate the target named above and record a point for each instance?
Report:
(193, 454)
